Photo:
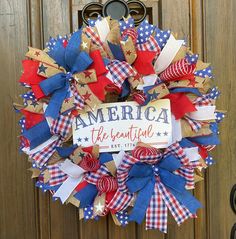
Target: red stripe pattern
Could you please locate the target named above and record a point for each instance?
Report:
(107, 184)
(89, 163)
(179, 70)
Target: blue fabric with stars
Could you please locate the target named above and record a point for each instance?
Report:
(161, 37)
(124, 25)
(28, 96)
(207, 72)
(122, 217)
(22, 124)
(214, 127)
(219, 116)
(214, 93)
(46, 187)
(145, 30)
(92, 22)
(209, 160)
(192, 58)
(88, 213)
(57, 50)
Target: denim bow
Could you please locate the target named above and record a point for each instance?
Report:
(73, 61)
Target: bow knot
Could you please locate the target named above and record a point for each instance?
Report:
(69, 75)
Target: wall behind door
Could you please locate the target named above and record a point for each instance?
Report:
(25, 212)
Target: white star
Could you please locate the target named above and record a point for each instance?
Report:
(84, 45)
(99, 207)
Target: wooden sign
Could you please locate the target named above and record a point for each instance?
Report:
(116, 126)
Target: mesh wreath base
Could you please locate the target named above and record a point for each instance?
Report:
(111, 61)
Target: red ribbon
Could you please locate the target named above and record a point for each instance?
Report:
(98, 87)
(31, 118)
(143, 63)
(180, 104)
(89, 163)
(31, 77)
(107, 184)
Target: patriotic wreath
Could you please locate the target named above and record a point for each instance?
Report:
(111, 61)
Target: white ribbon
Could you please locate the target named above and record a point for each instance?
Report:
(118, 158)
(167, 54)
(103, 29)
(176, 130)
(41, 146)
(203, 113)
(192, 154)
(148, 80)
(75, 176)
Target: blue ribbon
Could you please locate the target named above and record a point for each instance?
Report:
(74, 61)
(211, 139)
(141, 179)
(86, 195)
(38, 134)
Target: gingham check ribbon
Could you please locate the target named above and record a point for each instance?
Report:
(178, 70)
(120, 70)
(62, 126)
(187, 169)
(41, 157)
(93, 177)
(56, 175)
(78, 101)
(94, 37)
(162, 199)
(203, 100)
(195, 125)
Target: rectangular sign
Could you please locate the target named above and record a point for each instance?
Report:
(119, 126)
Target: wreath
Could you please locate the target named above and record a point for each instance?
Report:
(113, 61)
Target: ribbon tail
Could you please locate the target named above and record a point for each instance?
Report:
(178, 211)
(142, 202)
(158, 208)
(67, 188)
(56, 101)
